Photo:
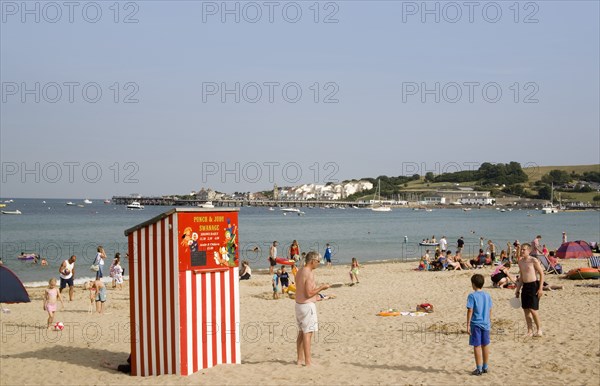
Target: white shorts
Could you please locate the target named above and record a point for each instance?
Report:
(306, 317)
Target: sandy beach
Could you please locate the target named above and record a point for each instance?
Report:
(353, 346)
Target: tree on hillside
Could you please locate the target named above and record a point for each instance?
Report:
(557, 177)
(429, 177)
(515, 190)
(545, 193)
(591, 177)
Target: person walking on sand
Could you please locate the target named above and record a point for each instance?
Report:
(536, 246)
(294, 251)
(532, 289)
(67, 273)
(272, 257)
(460, 244)
(51, 296)
(99, 261)
(307, 293)
(443, 244)
(479, 316)
(327, 255)
(354, 268)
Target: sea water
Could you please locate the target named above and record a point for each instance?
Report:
(56, 231)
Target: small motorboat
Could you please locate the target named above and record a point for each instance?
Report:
(467, 209)
(107, 201)
(87, 201)
(583, 273)
(11, 212)
(296, 210)
(207, 205)
(427, 244)
(70, 203)
(135, 205)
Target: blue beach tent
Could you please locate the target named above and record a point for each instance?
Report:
(11, 287)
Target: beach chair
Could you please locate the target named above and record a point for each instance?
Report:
(548, 267)
(594, 262)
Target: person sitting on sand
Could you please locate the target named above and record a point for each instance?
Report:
(501, 276)
(479, 261)
(464, 264)
(504, 257)
(440, 262)
(245, 271)
(451, 263)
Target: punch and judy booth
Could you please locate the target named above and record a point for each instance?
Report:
(183, 285)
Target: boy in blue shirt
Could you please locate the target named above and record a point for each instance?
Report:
(479, 315)
(327, 255)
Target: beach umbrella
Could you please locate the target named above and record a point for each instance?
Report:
(573, 250)
(11, 288)
(585, 245)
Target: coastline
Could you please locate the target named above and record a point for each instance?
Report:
(353, 346)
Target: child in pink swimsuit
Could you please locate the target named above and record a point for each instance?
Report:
(51, 295)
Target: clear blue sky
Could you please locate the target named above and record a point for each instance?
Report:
(376, 61)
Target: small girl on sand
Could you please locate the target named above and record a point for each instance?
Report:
(51, 295)
(354, 271)
(117, 272)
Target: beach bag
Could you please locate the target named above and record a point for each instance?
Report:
(94, 267)
(425, 307)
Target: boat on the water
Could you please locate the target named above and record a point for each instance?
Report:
(549, 209)
(87, 201)
(70, 203)
(377, 205)
(135, 205)
(107, 201)
(583, 273)
(426, 244)
(11, 211)
(467, 209)
(295, 210)
(207, 205)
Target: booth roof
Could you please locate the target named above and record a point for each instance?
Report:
(174, 210)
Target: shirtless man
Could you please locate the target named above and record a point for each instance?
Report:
(273, 257)
(532, 290)
(307, 293)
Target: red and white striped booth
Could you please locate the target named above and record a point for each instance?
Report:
(184, 291)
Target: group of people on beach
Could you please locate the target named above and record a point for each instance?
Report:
(96, 288)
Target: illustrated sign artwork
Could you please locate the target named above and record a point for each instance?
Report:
(208, 240)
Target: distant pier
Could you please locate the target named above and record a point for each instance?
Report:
(171, 201)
